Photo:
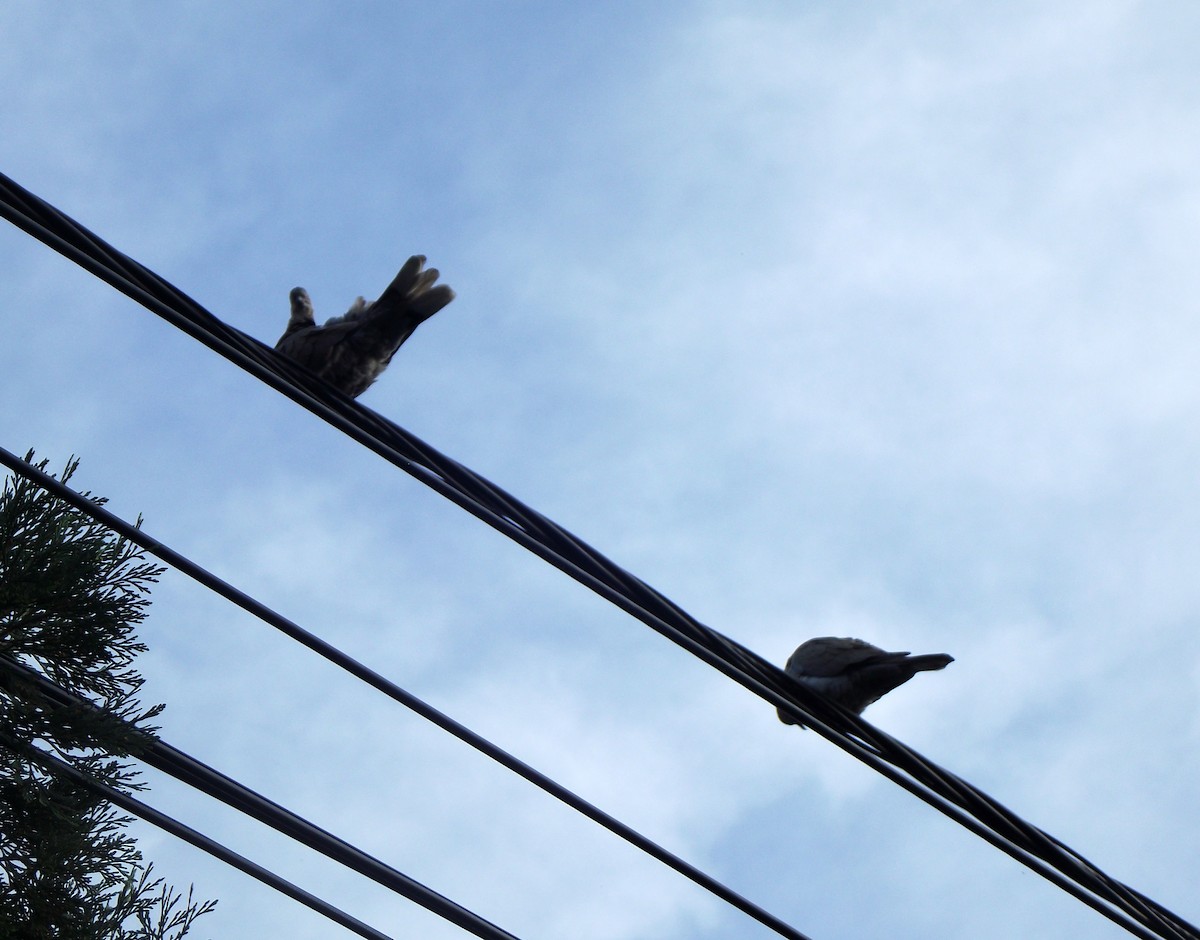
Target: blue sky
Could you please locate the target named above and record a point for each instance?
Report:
(873, 322)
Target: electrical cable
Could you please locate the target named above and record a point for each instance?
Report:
(181, 563)
(158, 754)
(508, 515)
(171, 825)
(937, 787)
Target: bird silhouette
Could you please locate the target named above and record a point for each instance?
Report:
(351, 351)
(852, 672)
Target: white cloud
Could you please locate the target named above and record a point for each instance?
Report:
(870, 321)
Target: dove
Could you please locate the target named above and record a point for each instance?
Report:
(351, 351)
(852, 672)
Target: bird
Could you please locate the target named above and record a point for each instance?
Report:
(351, 351)
(852, 672)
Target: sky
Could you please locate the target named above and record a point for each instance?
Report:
(866, 320)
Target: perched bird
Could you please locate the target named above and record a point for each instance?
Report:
(854, 673)
(351, 351)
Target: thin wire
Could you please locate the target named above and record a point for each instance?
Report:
(946, 792)
(138, 536)
(169, 824)
(868, 755)
(169, 760)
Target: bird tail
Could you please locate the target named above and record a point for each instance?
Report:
(406, 303)
(929, 662)
(413, 292)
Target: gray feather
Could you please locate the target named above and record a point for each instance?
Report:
(852, 672)
(351, 351)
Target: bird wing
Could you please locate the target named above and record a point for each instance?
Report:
(826, 657)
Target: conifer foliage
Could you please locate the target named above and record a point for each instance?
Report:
(71, 594)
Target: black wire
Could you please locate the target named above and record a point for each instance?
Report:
(169, 760)
(186, 833)
(872, 757)
(946, 792)
(138, 536)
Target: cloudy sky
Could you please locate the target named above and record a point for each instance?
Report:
(871, 320)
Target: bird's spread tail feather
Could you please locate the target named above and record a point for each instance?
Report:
(414, 291)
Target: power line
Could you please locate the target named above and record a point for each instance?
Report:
(185, 768)
(946, 792)
(169, 824)
(138, 536)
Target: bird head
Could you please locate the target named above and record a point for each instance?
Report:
(302, 309)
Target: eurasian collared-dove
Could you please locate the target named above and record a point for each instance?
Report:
(853, 672)
(351, 351)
